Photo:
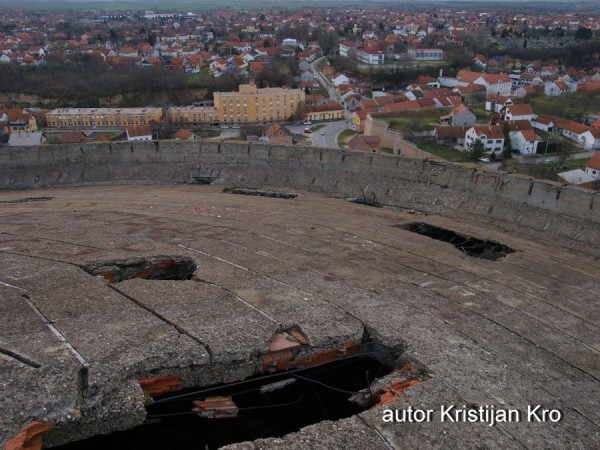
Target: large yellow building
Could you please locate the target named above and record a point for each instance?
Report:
(253, 105)
(102, 117)
(192, 115)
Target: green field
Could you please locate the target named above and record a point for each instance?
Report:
(544, 171)
(344, 137)
(442, 151)
(570, 106)
(417, 121)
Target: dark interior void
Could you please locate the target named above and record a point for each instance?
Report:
(259, 193)
(153, 268)
(267, 406)
(471, 246)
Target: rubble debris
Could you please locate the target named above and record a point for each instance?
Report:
(215, 408)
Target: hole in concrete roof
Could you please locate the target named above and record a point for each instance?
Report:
(202, 180)
(260, 193)
(28, 200)
(472, 246)
(153, 268)
(270, 404)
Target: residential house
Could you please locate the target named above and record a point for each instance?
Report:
(492, 137)
(451, 135)
(556, 88)
(521, 111)
(359, 118)
(18, 120)
(351, 100)
(340, 79)
(587, 137)
(278, 134)
(185, 135)
(460, 116)
(365, 143)
(326, 111)
(495, 103)
(525, 141)
(592, 166)
(494, 83)
(139, 133)
(543, 123)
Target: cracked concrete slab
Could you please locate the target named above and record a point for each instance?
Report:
(514, 332)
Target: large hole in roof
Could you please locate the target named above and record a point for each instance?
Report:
(152, 268)
(271, 404)
(472, 246)
(260, 193)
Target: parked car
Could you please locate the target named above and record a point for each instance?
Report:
(308, 122)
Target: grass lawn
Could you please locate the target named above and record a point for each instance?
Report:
(344, 137)
(416, 121)
(570, 105)
(323, 91)
(442, 151)
(544, 171)
(482, 115)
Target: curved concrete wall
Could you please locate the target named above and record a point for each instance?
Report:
(432, 186)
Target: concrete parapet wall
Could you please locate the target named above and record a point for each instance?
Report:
(428, 185)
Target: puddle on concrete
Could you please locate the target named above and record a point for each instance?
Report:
(470, 245)
(260, 193)
(153, 268)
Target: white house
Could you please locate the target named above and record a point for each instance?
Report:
(496, 103)
(139, 133)
(340, 79)
(518, 112)
(592, 167)
(526, 141)
(494, 83)
(543, 123)
(556, 88)
(492, 137)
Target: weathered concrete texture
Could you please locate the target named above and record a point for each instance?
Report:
(519, 331)
(452, 190)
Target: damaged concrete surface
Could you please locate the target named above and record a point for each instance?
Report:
(83, 354)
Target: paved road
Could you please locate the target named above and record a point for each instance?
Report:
(333, 95)
(331, 130)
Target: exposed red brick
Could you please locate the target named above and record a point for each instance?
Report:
(155, 386)
(29, 437)
(285, 358)
(217, 407)
(390, 394)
